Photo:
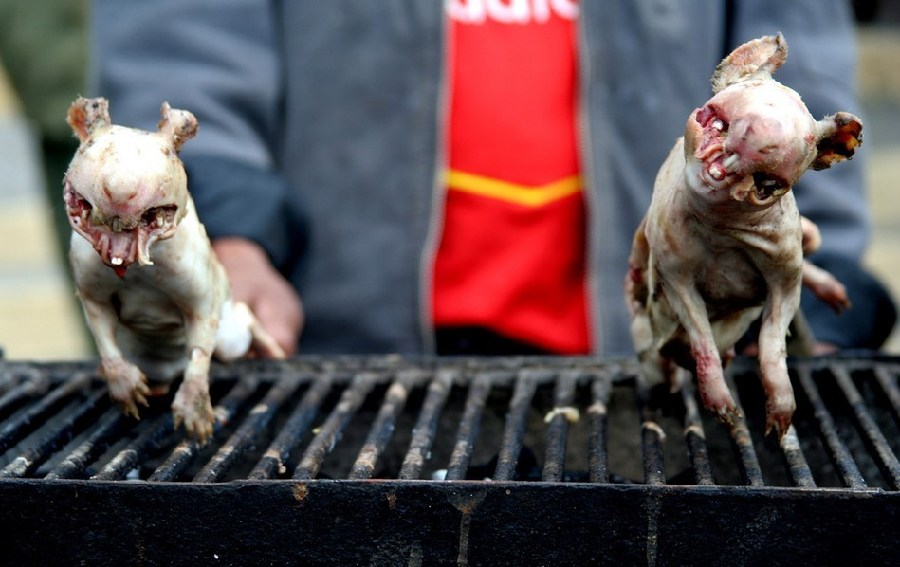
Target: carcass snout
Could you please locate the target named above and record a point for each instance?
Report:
(756, 139)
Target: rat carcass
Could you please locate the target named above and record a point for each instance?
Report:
(723, 243)
(155, 297)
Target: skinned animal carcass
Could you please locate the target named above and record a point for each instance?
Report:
(723, 243)
(156, 299)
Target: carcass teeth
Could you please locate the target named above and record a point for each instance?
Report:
(116, 261)
(718, 124)
(716, 172)
(730, 161)
(160, 218)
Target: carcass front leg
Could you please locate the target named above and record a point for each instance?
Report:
(690, 309)
(192, 406)
(127, 384)
(711, 379)
(781, 305)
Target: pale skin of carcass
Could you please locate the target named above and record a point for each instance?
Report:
(723, 242)
(155, 297)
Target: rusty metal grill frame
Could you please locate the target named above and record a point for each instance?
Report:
(80, 481)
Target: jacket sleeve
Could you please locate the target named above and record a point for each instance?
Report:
(219, 59)
(821, 66)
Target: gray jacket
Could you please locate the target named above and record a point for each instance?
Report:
(322, 124)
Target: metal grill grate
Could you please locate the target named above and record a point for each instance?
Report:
(554, 420)
(394, 425)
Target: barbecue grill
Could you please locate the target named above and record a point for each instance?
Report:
(467, 461)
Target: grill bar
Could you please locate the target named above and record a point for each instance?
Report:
(273, 462)
(891, 390)
(887, 461)
(516, 423)
(381, 432)
(837, 451)
(19, 428)
(331, 430)
(426, 427)
(801, 474)
(251, 429)
(748, 461)
(18, 394)
(563, 413)
(8, 380)
(129, 458)
(75, 462)
(468, 427)
(225, 410)
(74, 422)
(652, 437)
(598, 415)
(694, 434)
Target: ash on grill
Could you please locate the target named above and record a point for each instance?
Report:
(521, 419)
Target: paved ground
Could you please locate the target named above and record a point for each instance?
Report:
(39, 320)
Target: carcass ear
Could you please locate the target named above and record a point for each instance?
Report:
(87, 115)
(178, 125)
(756, 58)
(838, 137)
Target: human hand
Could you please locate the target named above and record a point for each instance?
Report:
(256, 282)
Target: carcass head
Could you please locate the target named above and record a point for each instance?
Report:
(754, 138)
(126, 188)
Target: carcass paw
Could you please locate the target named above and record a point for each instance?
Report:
(719, 401)
(127, 384)
(778, 418)
(192, 408)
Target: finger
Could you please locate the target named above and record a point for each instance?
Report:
(281, 316)
(285, 345)
(275, 336)
(263, 344)
(825, 349)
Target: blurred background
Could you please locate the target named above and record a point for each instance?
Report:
(39, 318)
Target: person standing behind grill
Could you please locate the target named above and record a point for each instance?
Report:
(460, 176)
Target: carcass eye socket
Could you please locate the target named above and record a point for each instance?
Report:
(768, 184)
(75, 200)
(159, 217)
(708, 117)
